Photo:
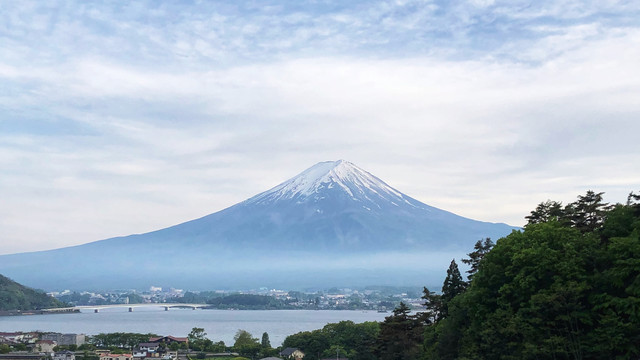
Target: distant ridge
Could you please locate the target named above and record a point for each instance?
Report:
(332, 222)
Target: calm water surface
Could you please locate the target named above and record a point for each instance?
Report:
(219, 324)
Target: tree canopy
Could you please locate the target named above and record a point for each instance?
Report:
(120, 339)
(353, 341)
(14, 296)
(566, 287)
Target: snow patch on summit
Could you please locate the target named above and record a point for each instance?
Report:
(358, 184)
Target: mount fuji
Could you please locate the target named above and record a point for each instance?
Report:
(333, 224)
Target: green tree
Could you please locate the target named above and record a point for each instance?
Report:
(481, 248)
(196, 338)
(265, 343)
(338, 352)
(526, 298)
(555, 291)
(567, 287)
(442, 336)
(401, 335)
(433, 305)
(443, 339)
(119, 339)
(452, 286)
(633, 201)
(246, 344)
(356, 340)
(310, 342)
(587, 214)
(546, 211)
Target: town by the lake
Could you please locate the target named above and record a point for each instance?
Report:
(365, 306)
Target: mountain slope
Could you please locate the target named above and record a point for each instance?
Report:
(332, 206)
(333, 216)
(14, 296)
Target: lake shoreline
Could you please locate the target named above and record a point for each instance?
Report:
(219, 324)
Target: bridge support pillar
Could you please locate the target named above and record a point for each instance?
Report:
(130, 309)
(96, 311)
(166, 308)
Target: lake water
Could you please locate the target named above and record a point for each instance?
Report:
(218, 324)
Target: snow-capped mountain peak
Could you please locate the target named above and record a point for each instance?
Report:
(294, 231)
(355, 182)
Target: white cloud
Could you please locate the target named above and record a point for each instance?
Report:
(187, 117)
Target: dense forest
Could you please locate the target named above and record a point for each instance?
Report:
(567, 286)
(344, 339)
(14, 296)
(246, 302)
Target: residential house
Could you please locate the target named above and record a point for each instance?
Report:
(30, 338)
(65, 339)
(15, 337)
(169, 339)
(149, 346)
(45, 346)
(149, 349)
(64, 355)
(116, 357)
(292, 353)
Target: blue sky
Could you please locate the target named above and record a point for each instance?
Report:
(120, 118)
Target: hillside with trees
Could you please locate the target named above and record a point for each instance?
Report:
(14, 296)
(567, 286)
(246, 302)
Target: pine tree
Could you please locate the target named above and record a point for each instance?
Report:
(453, 285)
(401, 335)
(481, 249)
(266, 344)
(545, 211)
(633, 201)
(433, 304)
(587, 213)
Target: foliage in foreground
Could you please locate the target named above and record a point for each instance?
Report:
(346, 338)
(566, 287)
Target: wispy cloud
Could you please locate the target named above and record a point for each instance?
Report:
(123, 118)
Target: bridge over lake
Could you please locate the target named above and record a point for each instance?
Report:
(129, 307)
